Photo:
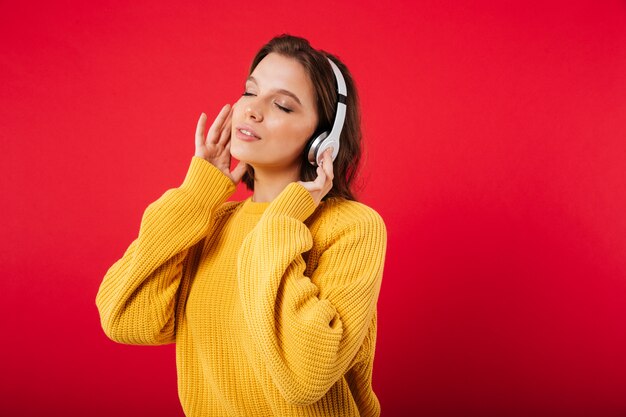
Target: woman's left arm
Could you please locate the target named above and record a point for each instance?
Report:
(307, 330)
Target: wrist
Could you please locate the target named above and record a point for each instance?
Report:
(294, 201)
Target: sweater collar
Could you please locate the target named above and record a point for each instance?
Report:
(252, 207)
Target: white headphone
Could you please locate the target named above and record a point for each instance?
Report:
(327, 139)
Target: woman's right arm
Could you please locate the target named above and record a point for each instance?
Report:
(137, 297)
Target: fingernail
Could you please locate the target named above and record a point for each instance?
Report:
(331, 149)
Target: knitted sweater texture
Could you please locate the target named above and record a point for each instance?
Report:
(272, 306)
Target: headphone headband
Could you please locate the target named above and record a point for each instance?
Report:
(341, 83)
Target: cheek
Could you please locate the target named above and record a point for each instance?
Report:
(293, 139)
(238, 115)
(299, 132)
(237, 110)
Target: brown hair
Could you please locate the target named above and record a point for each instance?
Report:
(318, 68)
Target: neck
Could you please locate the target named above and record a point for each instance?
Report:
(269, 183)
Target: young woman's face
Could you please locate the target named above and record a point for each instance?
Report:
(276, 116)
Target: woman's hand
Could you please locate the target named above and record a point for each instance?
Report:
(324, 181)
(216, 147)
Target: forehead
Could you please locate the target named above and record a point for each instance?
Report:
(278, 72)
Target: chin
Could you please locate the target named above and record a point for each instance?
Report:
(243, 152)
(239, 154)
(261, 159)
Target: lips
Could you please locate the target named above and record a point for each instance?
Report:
(245, 132)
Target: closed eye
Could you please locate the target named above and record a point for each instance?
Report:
(285, 109)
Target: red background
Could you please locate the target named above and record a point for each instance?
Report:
(496, 153)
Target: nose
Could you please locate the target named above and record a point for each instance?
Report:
(253, 112)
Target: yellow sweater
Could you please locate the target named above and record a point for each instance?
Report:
(272, 306)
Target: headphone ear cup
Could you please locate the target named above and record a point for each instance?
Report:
(314, 146)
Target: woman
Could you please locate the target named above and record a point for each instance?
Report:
(271, 301)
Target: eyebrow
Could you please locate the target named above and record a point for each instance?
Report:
(279, 90)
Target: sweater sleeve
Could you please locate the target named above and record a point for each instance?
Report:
(137, 297)
(308, 330)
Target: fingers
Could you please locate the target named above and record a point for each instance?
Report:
(200, 130)
(318, 183)
(327, 163)
(238, 172)
(324, 181)
(321, 178)
(213, 135)
(325, 173)
(226, 129)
